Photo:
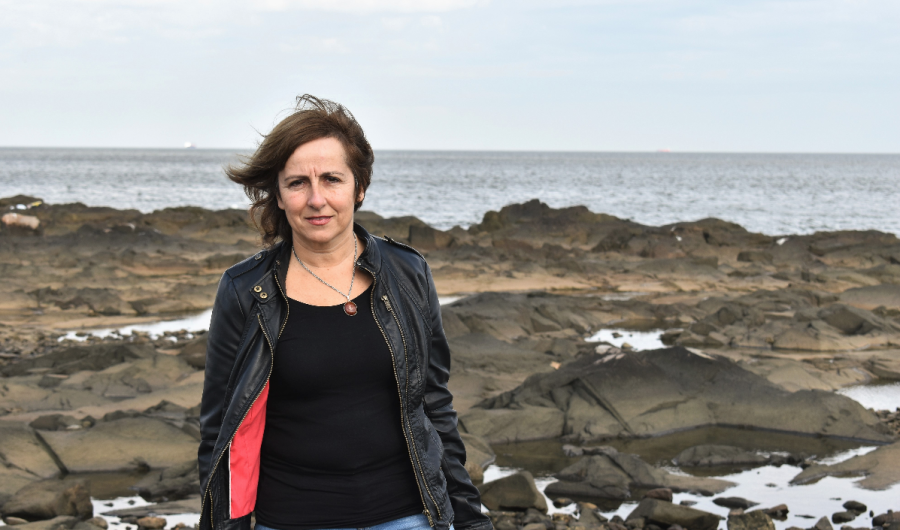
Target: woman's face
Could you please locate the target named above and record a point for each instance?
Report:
(317, 193)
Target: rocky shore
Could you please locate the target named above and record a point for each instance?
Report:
(761, 331)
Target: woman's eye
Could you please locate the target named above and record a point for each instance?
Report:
(333, 180)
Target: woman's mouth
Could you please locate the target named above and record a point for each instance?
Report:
(318, 221)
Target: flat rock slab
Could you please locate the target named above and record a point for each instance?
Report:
(669, 514)
(872, 296)
(651, 393)
(189, 505)
(21, 449)
(881, 469)
(122, 445)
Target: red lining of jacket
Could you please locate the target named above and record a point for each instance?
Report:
(243, 458)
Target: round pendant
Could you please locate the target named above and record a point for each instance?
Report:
(350, 309)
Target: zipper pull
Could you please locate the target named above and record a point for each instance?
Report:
(387, 303)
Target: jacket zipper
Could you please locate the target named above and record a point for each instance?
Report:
(271, 367)
(387, 304)
(399, 395)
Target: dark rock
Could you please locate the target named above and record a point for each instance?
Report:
(779, 512)
(47, 499)
(653, 392)
(176, 482)
(194, 352)
(562, 502)
(666, 514)
(427, 238)
(883, 519)
(93, 357)
(663, 494)
(755, 520)
(55, 422)
(855, 506)
(843, 517)
(822, 524)
(734, 502)
(755, 256)
(612, 475)
(515, 492)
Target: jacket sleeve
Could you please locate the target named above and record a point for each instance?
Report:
(223, 341)
(464, 496)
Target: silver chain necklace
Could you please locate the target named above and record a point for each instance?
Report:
(349, 308)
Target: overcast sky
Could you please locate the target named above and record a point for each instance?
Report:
(634, 75)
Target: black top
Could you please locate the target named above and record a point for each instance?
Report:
(333, 453)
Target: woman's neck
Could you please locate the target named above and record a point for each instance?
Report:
(329, 254)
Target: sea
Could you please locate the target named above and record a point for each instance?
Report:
(775, 194)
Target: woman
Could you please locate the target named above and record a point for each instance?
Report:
(325, 403)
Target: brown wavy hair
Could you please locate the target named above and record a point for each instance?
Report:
(312, 119)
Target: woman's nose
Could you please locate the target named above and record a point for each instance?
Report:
(316, 198)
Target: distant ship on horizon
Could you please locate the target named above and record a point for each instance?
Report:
(664, 150)
(190, 145)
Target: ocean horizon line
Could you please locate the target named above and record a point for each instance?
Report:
(660, 151)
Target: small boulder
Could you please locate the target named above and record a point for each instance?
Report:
(562, 502)
(48, 499)
(843, 517)
(663, 494)
(855, 506)
(515, 492)
(777, 512)
(734, 502)
(822, 524)
(666, 514)
(99, 522)
(755, 520)
(886, 519)
(14, 521)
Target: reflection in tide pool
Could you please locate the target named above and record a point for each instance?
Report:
(878, 397)
(639, 340)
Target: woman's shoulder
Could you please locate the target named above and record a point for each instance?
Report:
(257, 261)
(400, 254)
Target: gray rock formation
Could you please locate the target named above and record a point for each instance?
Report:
(665, 514)
(47, 499)
(515, 492)
(614, 475)
(656, 392)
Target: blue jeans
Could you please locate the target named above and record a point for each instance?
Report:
(413, 522)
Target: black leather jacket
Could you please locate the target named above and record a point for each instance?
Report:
(248, 316)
